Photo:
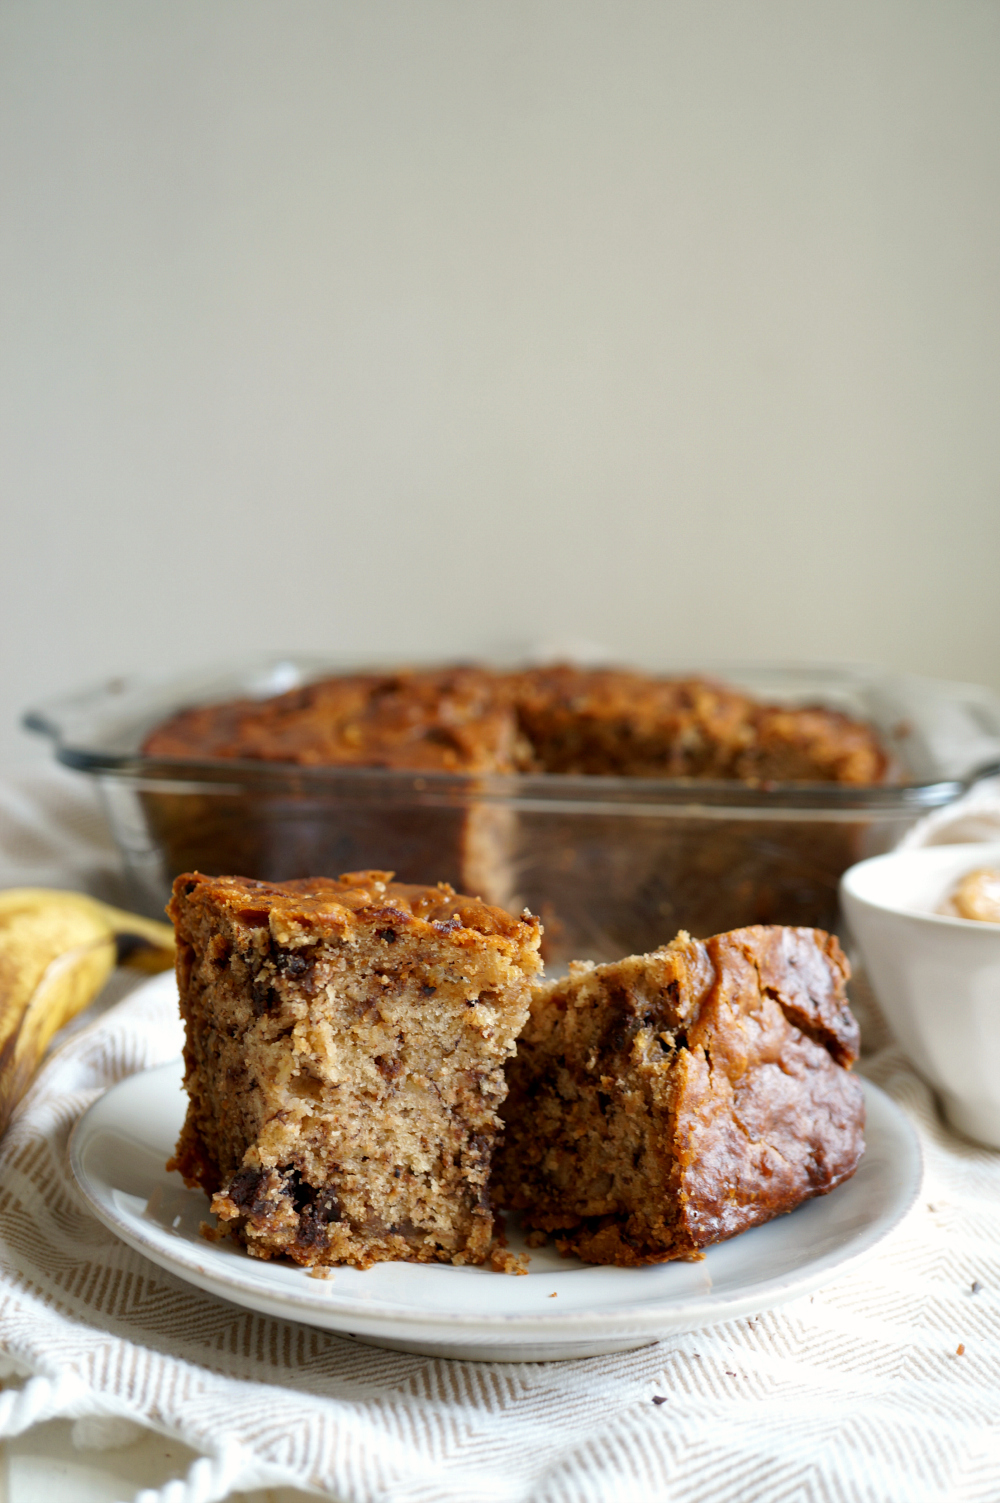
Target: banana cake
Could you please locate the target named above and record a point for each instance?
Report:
(619, 722)
(557, 719)
(344, 1061)
(446, 721)
(436, 720)
(671, 1100)
(412, 769)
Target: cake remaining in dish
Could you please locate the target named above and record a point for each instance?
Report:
(669, 1101)
(559, 719)
(611, 721)
(344, 1061)
(414, 769)
(443, 721)
(436, 720)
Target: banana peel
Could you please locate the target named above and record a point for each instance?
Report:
(57, 950)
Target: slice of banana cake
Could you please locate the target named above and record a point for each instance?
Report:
(668, 1101)
(344, 1061)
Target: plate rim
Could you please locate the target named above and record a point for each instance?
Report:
(324, 1307)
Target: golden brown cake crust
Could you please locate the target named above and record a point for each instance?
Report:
(333, 905)
(617, 722)
(559, 719)
(669, 1101)
(345, 1044)
(627, 724)
(447, 720)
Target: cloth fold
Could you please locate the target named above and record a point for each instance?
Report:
(974, 817)
(855, 1393)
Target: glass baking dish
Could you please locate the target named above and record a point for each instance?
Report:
(613, 865)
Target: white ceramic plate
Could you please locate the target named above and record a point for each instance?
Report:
(121, 1144)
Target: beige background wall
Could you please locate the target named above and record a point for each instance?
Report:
(449, 325)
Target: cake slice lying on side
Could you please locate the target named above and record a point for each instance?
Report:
(345, 1045)
(668, 1101)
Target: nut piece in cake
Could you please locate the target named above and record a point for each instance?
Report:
(344, 1061)
(668, 1101)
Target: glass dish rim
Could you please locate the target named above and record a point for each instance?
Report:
(564, 792)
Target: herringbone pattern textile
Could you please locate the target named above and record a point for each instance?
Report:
(854, 1395)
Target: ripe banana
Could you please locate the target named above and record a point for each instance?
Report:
(57, 949)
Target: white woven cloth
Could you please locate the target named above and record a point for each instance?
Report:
(854, 1395)
(976, 817)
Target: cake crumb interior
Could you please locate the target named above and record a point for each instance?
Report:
(345, 1063)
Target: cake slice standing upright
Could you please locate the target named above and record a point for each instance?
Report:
(668, 1101)
(344, 1061)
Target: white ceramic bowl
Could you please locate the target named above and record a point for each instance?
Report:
(937, 978)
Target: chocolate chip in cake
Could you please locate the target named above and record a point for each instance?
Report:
(244, 1186)
(291, 962)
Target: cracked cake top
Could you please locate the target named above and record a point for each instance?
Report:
(319, 906)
